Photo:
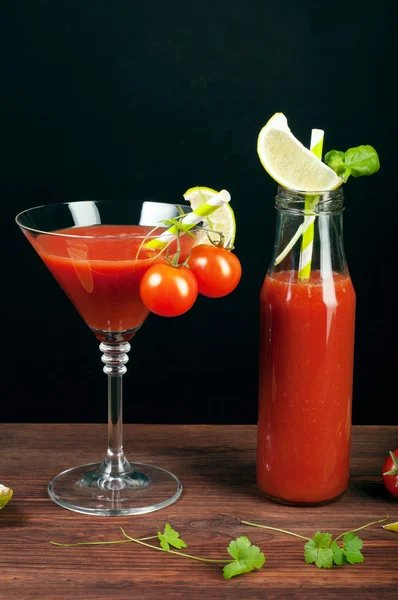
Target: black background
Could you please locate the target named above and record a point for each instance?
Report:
(125, 99)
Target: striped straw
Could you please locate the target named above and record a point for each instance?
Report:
(191, 219)
(304, 272)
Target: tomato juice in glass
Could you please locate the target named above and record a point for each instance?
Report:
(98, 251)
(306, 364)
(100, 268)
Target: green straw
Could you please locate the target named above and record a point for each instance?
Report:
(307, 242)
(191, 219)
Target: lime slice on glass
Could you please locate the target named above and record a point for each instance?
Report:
(5, 495)
(222, 220)
(290, 163)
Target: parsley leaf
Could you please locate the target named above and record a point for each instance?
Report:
(318, 550)
(247, 557)
(170, 537)
(352, 545)
(324, 553)
(338, 555)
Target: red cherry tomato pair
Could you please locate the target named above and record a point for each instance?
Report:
(170, 291)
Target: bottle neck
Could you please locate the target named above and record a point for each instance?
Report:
(323, 202)
(309, 234)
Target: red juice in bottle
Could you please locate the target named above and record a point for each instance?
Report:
(306, 357)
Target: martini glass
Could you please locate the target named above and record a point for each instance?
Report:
(97, 253)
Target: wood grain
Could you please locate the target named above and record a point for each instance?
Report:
(217, 467)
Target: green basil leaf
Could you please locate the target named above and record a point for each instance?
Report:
(359, 161)
(335, 159)
(362, 160)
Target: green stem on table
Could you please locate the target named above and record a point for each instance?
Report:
(209, 560)
(276, 529)
(362, 527)
(151, 537)
(143, 543)
(309, 539)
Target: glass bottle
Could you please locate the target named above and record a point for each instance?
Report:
(306, 355)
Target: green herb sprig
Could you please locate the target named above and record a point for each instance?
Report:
(245, 556)
(321, 549)
(325, 552)
(359, 161)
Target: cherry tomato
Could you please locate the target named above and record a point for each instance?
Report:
(168, 291)
(217, 270)
(390, 473)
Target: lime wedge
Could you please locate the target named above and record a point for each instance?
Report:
(5, 495)
(222, 220)
(391, 526)
(290, 163)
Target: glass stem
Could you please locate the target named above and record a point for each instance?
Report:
(115, 359)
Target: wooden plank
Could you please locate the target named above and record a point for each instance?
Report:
(217, 467)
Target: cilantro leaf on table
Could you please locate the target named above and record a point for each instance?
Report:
(350, 552)
(170, 537)
(247, 557)
(324, 552)
(352, 546)
(318, 550)
(338, 555)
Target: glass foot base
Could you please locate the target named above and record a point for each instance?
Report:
(87, 490)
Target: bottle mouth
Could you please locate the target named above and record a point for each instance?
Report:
(310, 203)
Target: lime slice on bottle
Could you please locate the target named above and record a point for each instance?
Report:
(222, 220)
(290, 163)
(5, 495)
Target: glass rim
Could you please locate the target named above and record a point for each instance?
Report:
(334, 193)
(162, 229)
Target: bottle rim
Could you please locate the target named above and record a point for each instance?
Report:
(322, 201)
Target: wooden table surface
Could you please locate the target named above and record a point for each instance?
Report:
(217, 467)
